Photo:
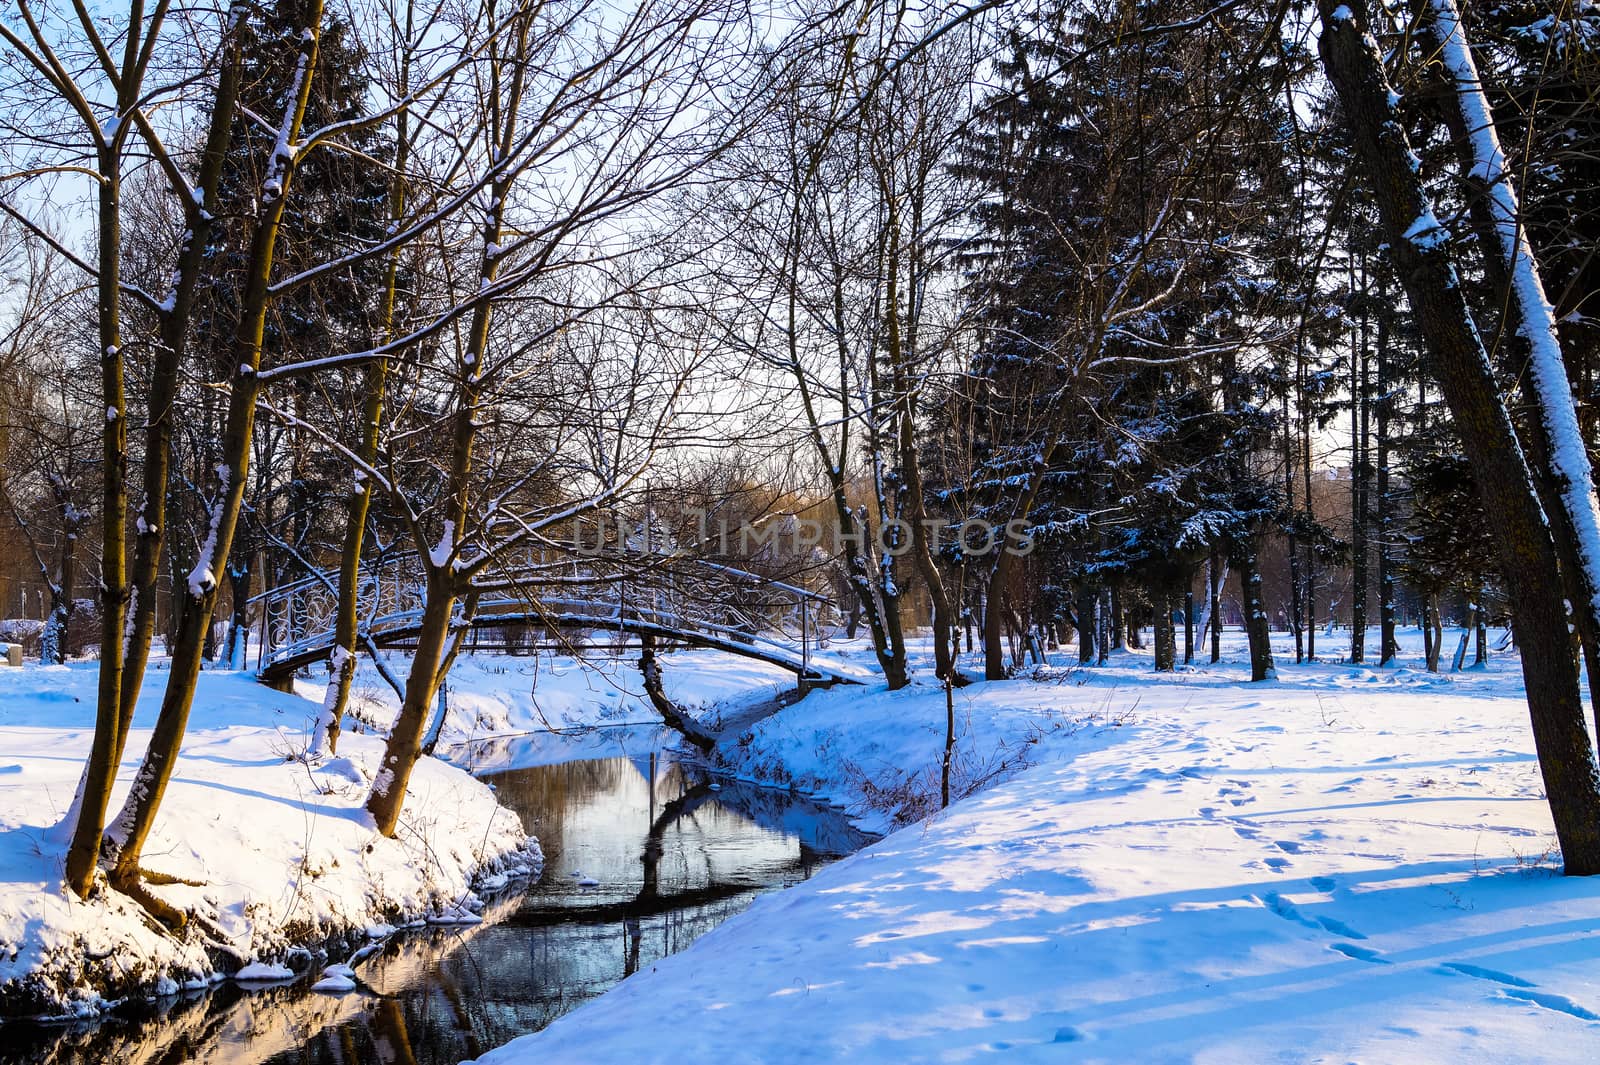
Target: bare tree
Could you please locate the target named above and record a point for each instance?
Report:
(582, 128)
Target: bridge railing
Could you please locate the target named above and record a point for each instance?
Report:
(697, 598)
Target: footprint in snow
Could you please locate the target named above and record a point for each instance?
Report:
(1288, 846)
(1515, 987)
(1339, 928)
(1468, 969)
(1559, 1003)
(1367, 954)
(1285, 909)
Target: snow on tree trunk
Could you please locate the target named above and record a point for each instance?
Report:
(1423, 259)
(1567, 458)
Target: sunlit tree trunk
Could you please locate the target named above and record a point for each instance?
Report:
(1527, 552)
(133, 826)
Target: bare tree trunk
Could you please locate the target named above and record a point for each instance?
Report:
(1309, 593)
(1188, 625)
(1214, 574)
(1165, 635)
(342, 655)
(1528, 559)
(670, 712)
(405, 737)
(101, 770)
(150, 525)
(1360, 398)
(996, 602)
(144, 799)
(1389, 646)
(1481, 657)
(1295, 597)
(1086, 625)
(1554, 439)
(1256, 625)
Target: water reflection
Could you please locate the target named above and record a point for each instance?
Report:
(671, 854)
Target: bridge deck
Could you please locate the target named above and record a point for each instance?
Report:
(283, 662)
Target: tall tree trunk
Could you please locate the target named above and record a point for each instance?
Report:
(1165, 635)
(1214, 575)
(1430, 643)
(1555, 440)
(1360, 397)
(1481, 657)
(400, 755)
(342, 655)
(133, 826)
(1295, 598)
(55, 639)
(1257, 627)
(150, 525)
(94, 795)
(994, 608)
(1389, 646)
(1309, 592)
(1528, 559)
(1086, 626)
(1188, 625)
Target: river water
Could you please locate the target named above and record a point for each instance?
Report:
(673, 851)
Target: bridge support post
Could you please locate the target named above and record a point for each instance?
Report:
(281, 683)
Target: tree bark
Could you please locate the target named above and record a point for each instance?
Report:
(95, 793)
(149, 786)
(1165, 635)
(1528, 559)
(1086, 624)
(1389, 646)
(342, 655)
(1214, 578)
(1553, 438)
(1360, 399)
(1257, 627)
(151, 524)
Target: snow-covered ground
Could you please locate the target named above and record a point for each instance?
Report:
(268, 851)
(497, 695)
(1347, 864)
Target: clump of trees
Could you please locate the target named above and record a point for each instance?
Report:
(1119, 279)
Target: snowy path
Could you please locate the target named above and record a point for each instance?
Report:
(1346, 866)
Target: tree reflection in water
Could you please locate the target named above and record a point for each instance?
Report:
(674, 856)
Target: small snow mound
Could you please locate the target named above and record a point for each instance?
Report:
(334, 985)
(263, 972)
(344, 769)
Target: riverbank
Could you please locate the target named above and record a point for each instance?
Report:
(504, 695)
(1345, 864)
(276, 856)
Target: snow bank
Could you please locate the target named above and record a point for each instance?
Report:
(271, 854)
(1345, 864)
(494, 694)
